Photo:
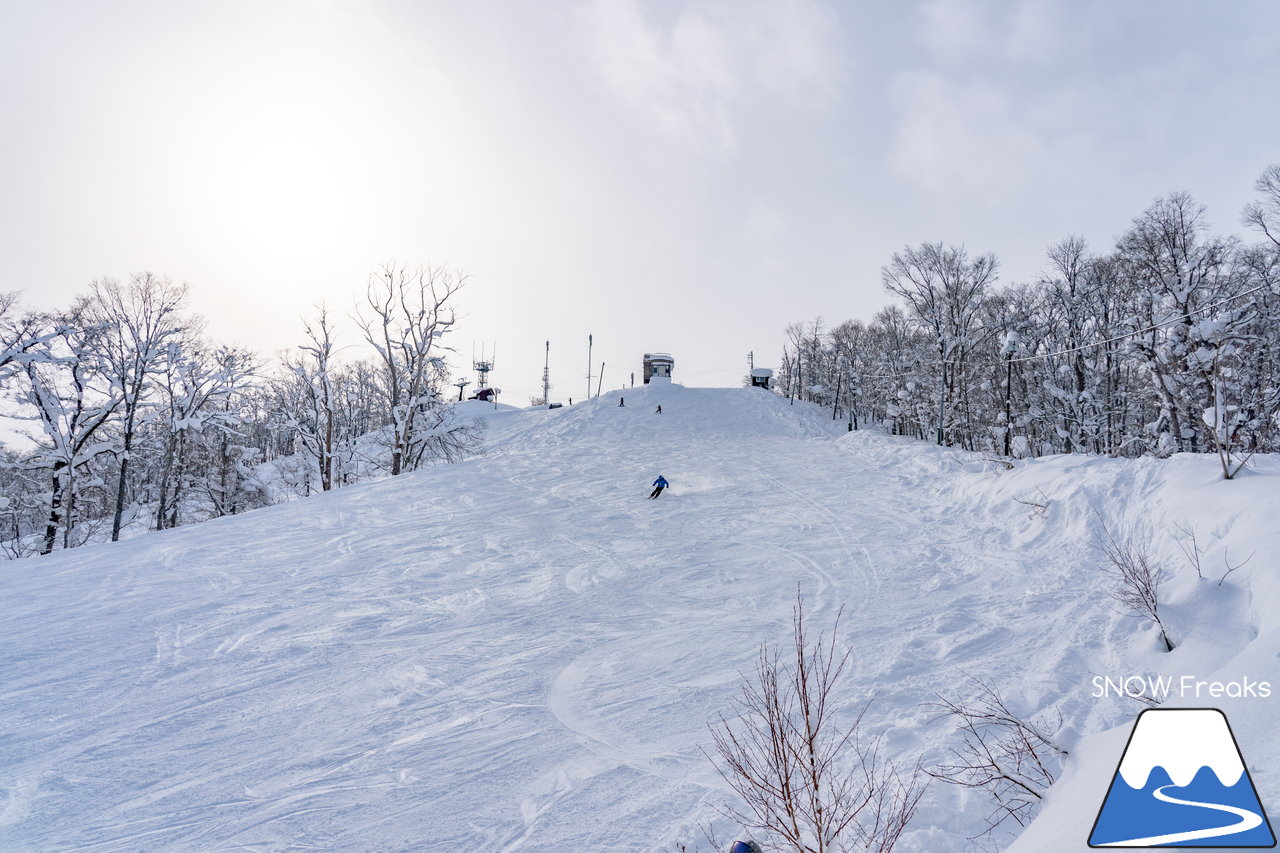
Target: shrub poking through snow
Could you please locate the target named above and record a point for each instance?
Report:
(1012, 758)
(1136, 575)
(808, 782)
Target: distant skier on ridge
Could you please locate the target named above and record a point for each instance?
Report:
(659, 484)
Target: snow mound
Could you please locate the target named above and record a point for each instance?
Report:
(630, 416)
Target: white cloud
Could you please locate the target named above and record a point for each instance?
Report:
(678, 79)
(967, 124)
(793, 48)
(687, 77)
(955, 31)
(964, 32)
(1035, 33)
(961, 137)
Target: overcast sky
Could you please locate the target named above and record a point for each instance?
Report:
(678, 175)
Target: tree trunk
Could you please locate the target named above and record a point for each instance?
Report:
(119, 491)
(55, 510)
(326, 461)
(942, 398)
(165, 473)
(1008, 407)
(121, 483)
(69, 513)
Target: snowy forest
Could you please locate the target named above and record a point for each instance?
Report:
(140, 422)
(1167, 341)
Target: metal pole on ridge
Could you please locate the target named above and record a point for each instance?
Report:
(546, 377)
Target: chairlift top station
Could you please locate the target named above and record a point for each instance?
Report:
(658, 365)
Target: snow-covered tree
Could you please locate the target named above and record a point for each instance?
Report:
(70, 394)
(1175, 272)
(23, 336)
(316, 416)
(405, 313)
(139, 320)
(943, 289)
(200, 416)
(1264, 213)
(1169, 341)
(233, 483)
(140, 417)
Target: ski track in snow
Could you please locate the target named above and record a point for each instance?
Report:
(514, 653)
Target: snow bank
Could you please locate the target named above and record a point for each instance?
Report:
(1227, 629)
(1227, 634)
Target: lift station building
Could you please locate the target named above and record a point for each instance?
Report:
(658, 365)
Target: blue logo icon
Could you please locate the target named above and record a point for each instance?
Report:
(1181, 783)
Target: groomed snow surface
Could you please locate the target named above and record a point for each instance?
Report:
(522, 653)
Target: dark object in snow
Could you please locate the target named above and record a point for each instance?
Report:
(622, 401)
(485, 394)
(659, 484)
(745, 847)
(659, 410)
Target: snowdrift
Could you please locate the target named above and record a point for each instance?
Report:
(1180, 512)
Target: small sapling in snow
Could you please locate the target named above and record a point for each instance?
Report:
(1136, 578)
(807, 777)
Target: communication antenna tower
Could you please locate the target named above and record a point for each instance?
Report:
(483, 365)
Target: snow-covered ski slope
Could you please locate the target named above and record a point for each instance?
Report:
(522, 653)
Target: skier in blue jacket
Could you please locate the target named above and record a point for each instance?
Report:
(659, 484)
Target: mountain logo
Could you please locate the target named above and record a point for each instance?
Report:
(1182, 782)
